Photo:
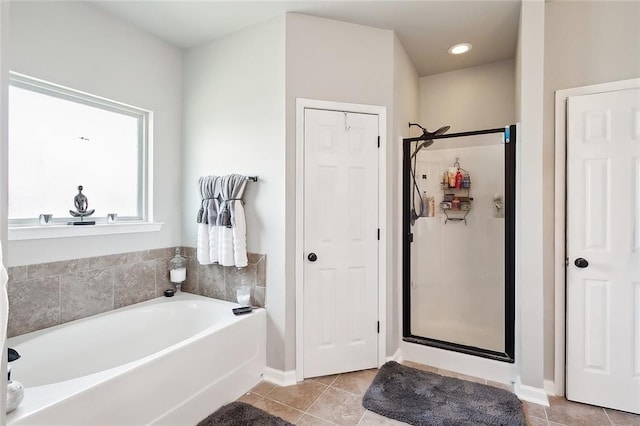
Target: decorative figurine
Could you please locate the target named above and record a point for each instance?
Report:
(82, 203)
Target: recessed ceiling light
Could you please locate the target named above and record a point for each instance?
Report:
(460, 48)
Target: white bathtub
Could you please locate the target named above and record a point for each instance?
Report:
(164, 361)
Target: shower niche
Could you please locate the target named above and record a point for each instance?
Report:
(459, 262)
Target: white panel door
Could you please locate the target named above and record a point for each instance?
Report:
(603, 229)
(340, 230)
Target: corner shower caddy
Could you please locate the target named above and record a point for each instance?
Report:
(463, 194)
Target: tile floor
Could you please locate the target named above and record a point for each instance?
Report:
(337, 400)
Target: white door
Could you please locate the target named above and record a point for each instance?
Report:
(603, 229)
(340, 242)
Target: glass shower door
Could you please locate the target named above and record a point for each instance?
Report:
(459, 289)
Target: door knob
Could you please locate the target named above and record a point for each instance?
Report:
(581, 263)
(312, 257)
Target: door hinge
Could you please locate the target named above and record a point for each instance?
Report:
(410, 238)
(378, 327)
(378, 141)
(378, 234)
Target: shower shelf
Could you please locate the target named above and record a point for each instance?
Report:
(463, 195)
(453, 218)
(460, 214)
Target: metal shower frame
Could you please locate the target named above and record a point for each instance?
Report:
(508, 355)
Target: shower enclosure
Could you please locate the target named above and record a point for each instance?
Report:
(458, 241)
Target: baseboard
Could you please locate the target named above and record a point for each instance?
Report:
(397, 356)
(530, 393)
(279, 377)
(549, 387)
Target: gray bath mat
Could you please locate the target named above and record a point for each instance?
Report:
(242, 414)
(422, 398)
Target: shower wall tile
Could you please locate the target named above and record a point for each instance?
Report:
(162, 277)
(220, 282)
(134, 283)
(261, 272)
(211, 282)
(258, 297)
(17, 273)
(48, 294)
(111, 260)
(57, 268)
(254, 258)
(86, 293)
(236, 277)
(33, 305)
(162, 253)
(189, 252)
(190, 285)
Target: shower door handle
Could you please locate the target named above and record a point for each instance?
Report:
(312, 257)
(581, 262)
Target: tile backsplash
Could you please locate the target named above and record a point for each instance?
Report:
(47, 294)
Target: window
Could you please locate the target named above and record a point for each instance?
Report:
(59, 139)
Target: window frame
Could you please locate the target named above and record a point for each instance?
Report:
(144, 118)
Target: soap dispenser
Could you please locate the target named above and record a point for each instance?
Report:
(178, 269)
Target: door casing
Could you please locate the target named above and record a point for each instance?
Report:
(381, 111)
(561, 96)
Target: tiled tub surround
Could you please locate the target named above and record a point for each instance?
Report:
(220, 282)
(48, 294)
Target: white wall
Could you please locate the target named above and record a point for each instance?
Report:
(76, 45)
(529, 170)
(405, 110)
(234, 123)
(4, 80)
(585, 43)
(337, 61)
(472, 98)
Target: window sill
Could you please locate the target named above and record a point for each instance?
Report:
(66, 231)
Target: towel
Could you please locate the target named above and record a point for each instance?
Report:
(207, 245)
(202, 247)
(221, 222)
(209, 188)
(232, 244)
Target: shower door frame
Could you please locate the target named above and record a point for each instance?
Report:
(509, 249)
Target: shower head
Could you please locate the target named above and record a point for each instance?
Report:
(427, 134)
(424, 144)
(426, 137)
(441, 131)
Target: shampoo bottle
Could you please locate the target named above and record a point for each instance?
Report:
(424, 210)
(458, 179)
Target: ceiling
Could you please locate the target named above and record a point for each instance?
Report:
(425, 28)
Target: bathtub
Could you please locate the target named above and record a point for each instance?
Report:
(164, 361)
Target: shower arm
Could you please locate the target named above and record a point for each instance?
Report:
(425, 134)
